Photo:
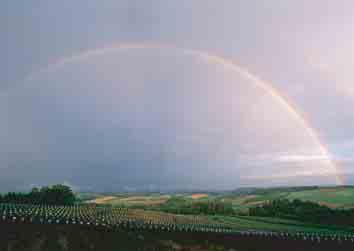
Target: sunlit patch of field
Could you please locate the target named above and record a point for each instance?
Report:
(243, 202)
(199, 196)
(140, 200)
(102, 200)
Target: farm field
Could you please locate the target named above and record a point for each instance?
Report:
(278, 225)
(130, 200)
(333, 197)
(102, 199)
(20, 237)
(166, 220)
(125, 218)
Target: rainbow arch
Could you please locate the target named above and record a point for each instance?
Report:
(211, 59)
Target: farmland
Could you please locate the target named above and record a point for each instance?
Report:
(124, 218)
(91, 227)
(241, 201)
(107, 217)
(131, 200)
(147, 216)
(333, 197)
(20, 237)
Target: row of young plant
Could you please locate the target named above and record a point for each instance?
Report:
(125, 218)
(108, 217)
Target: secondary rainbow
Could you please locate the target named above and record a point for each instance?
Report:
(212, 59)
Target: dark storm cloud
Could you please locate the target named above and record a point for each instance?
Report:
(55, 132)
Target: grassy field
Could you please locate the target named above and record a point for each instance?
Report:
(127, 218)
(173, 212)
(276, 225)
(149, 214)
(143, 199)
(333, 197)
(130, 200)
(20, 237)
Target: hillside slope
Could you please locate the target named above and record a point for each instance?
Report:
(32, 237)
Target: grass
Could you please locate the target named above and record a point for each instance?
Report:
(130, 200)
(243, 202)
(277, 225)
(334, 197)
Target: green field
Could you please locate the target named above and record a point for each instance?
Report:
(225, 212)
(241, 201)
(333, 197)
(125, 218)
(277, 225)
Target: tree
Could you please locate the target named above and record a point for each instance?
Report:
(54, 195)
(304, 211)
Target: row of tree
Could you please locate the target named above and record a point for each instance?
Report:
(304, 211)
(47, 195)
(208, 207)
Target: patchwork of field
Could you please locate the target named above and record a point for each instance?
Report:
(131, 200)
(93, 216)
(333, 197)
(141, 200)
(174, 212)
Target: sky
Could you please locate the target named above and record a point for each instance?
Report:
(134, 95)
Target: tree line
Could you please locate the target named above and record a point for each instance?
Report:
(304, 211)
(47, 195)
(208, 207)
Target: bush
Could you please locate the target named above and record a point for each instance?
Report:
(53, 195)
(182, 206)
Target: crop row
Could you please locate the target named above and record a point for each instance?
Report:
(122, 218)
(107, 217)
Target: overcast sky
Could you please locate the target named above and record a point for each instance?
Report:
(163, 112)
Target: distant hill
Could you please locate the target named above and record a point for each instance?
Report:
(241, 199)
(333, 197)
(258, 190)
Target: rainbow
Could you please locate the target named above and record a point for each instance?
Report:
(211, 59)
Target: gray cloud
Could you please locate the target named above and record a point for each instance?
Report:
(157, 118)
